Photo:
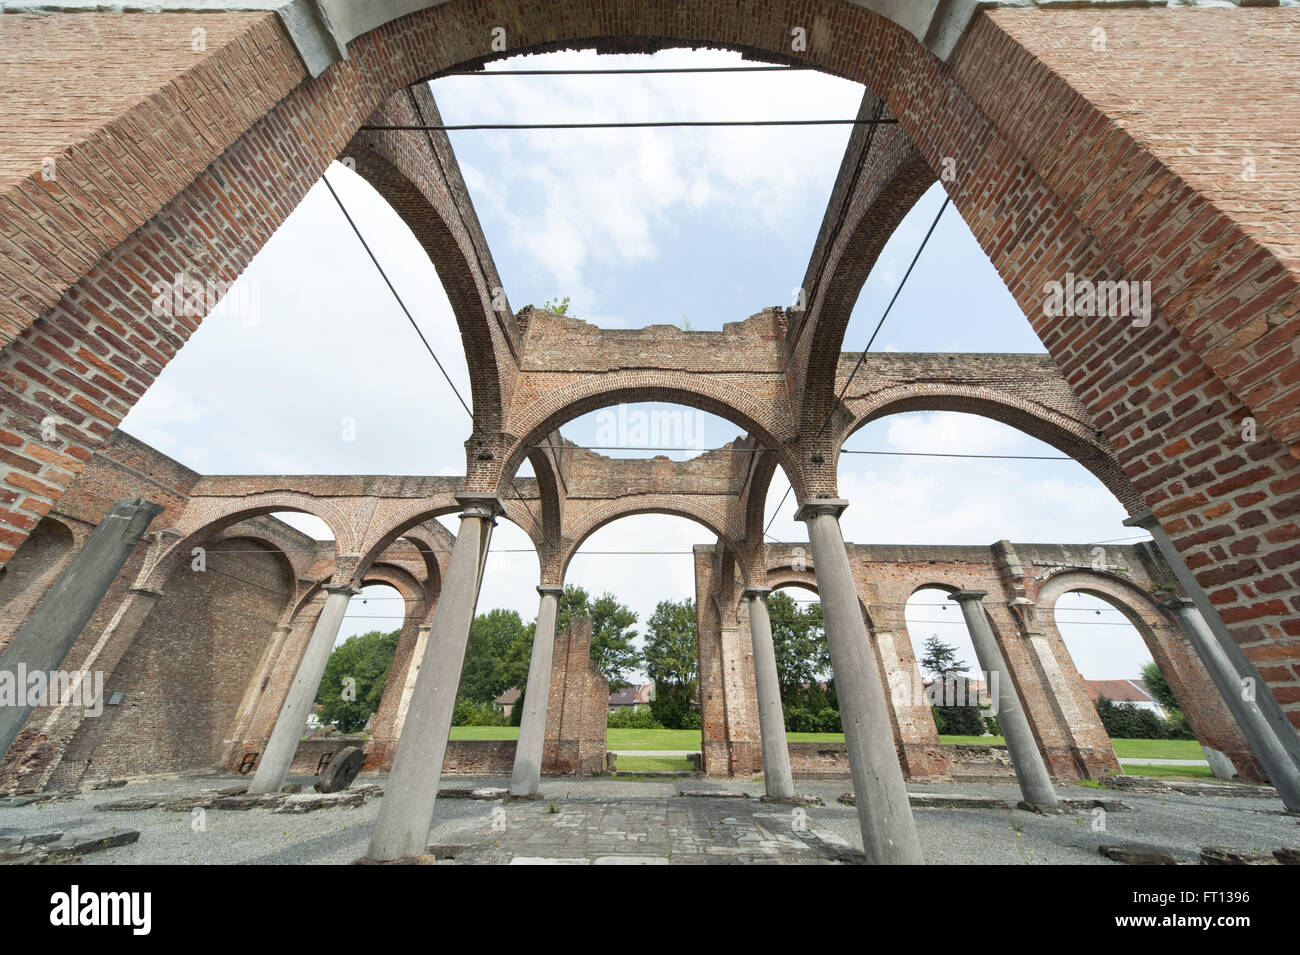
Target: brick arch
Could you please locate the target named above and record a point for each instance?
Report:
(1042, 198)
(300, 562)
(672, 505)
(217, 514)
(404, 582)
(727, 400)
(1138, 605)
(896, 176)
(435, 549)
(1068, 435)
(28, 577)
(400, 167)
(410, 516)
(1208, 716)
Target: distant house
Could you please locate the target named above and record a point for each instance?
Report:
(1123, 691)
(637, 696)
(505, 703)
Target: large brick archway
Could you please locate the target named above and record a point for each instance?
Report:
(186, 165)
(1170, 397)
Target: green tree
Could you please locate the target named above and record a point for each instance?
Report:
(557, 305)
(672, 662)
(612, 648)
(1158, 686)
(799, 639)
(354, 679)
(672, 644)
(940, 659)
(485, 674)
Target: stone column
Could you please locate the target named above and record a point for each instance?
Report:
(778, 782)
(1031, 771)
(1261, 720)
(1251, 720)
(58, 620)
(888, 830)
(406, 811)
(527, 773)
(273, 768)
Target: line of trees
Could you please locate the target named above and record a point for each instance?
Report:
(500, 646)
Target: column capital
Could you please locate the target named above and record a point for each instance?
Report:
(1143, 519)
(816, 506)
(479, 504)
(972, 595)
(1178, 603)
(754, 593)
(550, 590)
(350, 589)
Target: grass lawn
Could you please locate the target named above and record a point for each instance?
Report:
(690, 740)
(814, 737)
(1157, 748)
(616, 739)
(484, 732)
(652, 764)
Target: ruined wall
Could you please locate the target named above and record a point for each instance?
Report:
(186, 672)
(577, 711)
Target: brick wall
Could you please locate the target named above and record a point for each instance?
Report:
(577, 711)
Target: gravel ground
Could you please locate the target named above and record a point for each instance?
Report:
(1179, 823)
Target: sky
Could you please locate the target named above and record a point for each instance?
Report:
(310, 366)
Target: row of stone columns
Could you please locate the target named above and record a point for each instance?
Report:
(884, 813)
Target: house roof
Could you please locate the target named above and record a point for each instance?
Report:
(511, 695)
(1119, 691)
(631, 695)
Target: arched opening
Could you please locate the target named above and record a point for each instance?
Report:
(956, 686)
(30, 573)
(289, 324)
(353, 684)
(560, 225)
(1115, 651)
(173, 697)
(803, 665)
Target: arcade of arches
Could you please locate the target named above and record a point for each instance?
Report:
(187, 160)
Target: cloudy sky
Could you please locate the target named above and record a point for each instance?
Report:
(311, 367)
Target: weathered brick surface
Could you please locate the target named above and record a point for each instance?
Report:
(577, 710)
(1105, 164)
(1023, 582)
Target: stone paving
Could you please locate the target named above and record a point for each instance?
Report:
(637, 831)
(657, 822)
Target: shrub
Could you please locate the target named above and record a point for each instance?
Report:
(828, 720)
(477, 714)
(1126, 721)
(993, 726)
(958, 720)
(631, 718)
